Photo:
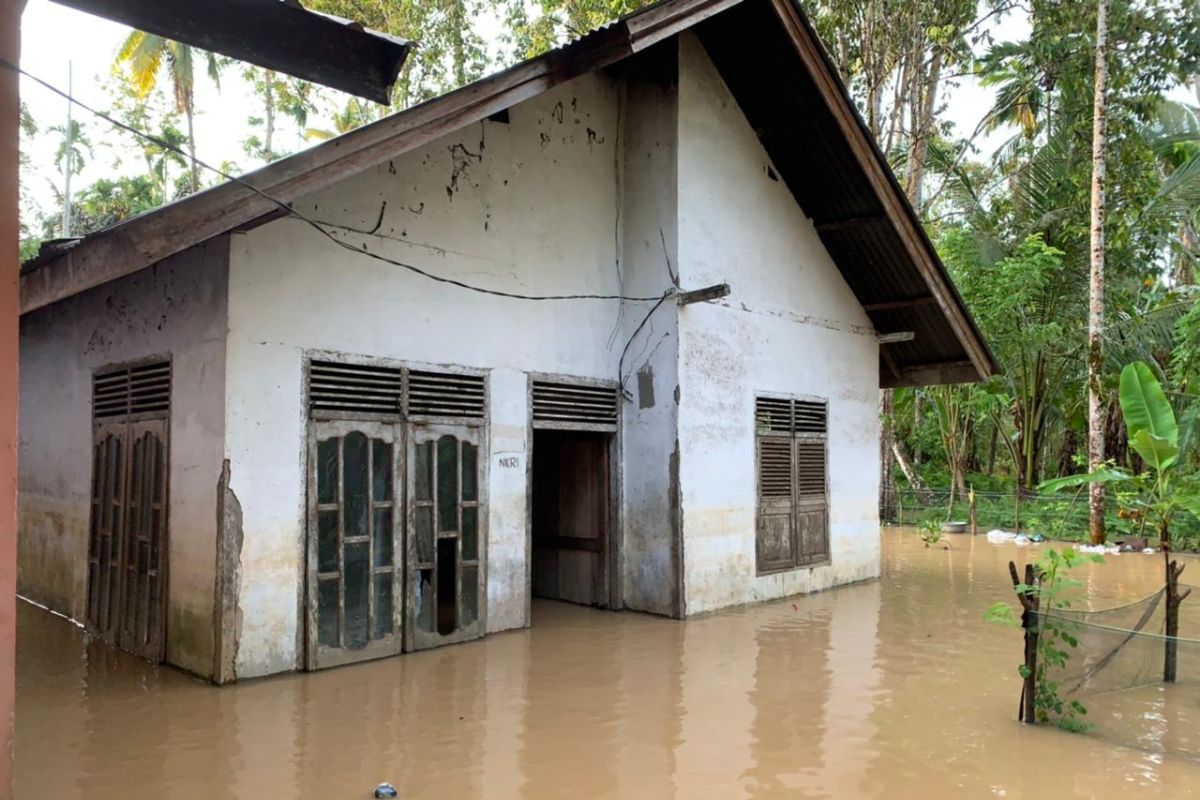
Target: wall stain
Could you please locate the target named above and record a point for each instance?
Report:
(645, 382)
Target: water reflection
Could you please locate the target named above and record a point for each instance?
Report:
(889, 689)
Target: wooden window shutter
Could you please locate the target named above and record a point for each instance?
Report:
(793, 504)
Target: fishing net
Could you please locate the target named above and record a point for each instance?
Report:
(1117, 668)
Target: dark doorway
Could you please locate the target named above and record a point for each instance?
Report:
(571, 516)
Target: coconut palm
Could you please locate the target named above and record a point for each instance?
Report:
(144, 54)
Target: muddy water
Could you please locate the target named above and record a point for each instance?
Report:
(892, 689)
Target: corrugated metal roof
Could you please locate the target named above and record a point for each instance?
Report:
(784, 83)
(826, 173)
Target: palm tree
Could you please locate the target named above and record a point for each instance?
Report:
(79, 142)
(145, 53)
(1174, 135)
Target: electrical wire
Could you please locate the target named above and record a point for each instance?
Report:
(621, 361)
(288, 209)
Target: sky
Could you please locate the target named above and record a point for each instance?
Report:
(58, 43)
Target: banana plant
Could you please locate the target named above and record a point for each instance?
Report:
(1160, 492)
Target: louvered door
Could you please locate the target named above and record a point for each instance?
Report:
(128, 540)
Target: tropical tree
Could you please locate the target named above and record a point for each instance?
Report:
(451, 51)
(147, 55)
(1095, 362)
(73, 143)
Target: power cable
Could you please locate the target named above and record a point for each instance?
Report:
(287, 208)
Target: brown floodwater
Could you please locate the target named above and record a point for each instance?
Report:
(894, 688)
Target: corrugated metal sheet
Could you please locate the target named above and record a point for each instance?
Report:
(764, 51)
(823, 171)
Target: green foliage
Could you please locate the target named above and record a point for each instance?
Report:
(930, 532)
(1159, 493)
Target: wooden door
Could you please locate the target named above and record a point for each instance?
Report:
(144, 548)
(127, 551)
(354, 559)
(570, 516)
(107, 529)
(446, 536)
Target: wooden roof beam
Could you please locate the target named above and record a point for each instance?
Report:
(931, 374)
(849, 222)
(908, 302)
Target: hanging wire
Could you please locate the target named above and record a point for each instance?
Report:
(287, 208)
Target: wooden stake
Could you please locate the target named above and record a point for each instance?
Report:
(1030, 604)
(1174, 598)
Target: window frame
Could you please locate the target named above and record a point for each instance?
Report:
(800, 504)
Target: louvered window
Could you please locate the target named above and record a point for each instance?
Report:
(358, 388)
(792, 526)
(351, 390)
(129, 390)
(576, 406)
(445, 394)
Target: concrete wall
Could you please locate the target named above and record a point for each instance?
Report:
(791, 325)
(176, 308)
(650, 373)
(533, 206)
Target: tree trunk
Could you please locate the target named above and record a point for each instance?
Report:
(1184, 272)
(914, 480)
(1096, 285)
(269, 138)
(918, 151)
(191, 134)
(886, 436)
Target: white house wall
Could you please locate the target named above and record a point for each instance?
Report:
(530, 206)
(790, 326)
(650, 497)
(176, 308)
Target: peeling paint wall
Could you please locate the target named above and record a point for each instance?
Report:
(791, 325)
(531, 206)
(177, 308)
(649, 259)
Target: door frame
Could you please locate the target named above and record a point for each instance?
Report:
(123, 426)
(614, 557)
(316, 655)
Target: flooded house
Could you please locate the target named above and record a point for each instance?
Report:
(607, 327)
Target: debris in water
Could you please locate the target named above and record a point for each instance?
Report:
(386, 790)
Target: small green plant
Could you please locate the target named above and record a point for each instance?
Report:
(930, 532)
(1052, 587)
